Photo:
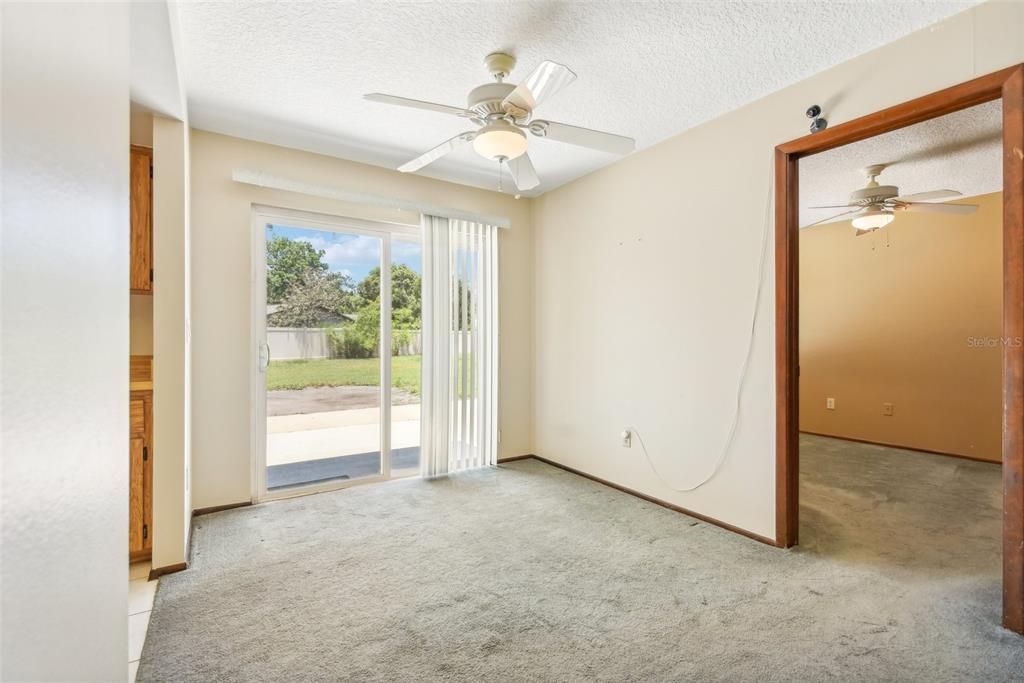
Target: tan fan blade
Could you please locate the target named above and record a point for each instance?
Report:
(959, 209)
(583, 137)
(832, 218)
(418, 104)
(835, 206)
(543, 82)
(925, 196)
(433, 155)
(523, 173)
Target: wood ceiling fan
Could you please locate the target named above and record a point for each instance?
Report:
(874, 206)
(502, 112)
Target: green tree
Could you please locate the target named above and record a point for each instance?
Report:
(361, 339)
(317, 296)
(405, 288)
(288, 261)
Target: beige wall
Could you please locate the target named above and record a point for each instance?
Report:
(141, 126)
(141, 331)
(905, 318)
(646, 273)
(221, 267)
(171, 315)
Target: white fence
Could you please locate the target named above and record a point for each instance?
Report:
(294, 343)
(413, 347)
(307, 343)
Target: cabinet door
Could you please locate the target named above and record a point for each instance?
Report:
(137, 418)
(147, 478)
(141, 221)
(135, 495)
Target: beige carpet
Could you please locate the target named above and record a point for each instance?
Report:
(528, 573)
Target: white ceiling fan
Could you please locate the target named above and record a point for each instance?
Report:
(502, 111)
(874, 206)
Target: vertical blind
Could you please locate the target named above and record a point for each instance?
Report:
(459, 425)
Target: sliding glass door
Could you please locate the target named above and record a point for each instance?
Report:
(336, 321)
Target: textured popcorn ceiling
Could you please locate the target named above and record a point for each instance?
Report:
(294, 73)
(961, 151)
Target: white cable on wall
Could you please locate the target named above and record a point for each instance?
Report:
(734, 424)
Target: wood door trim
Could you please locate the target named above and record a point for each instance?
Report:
(1008, 85)
(976, 91)
(1013, 353)
(787, 350)
(156, 572)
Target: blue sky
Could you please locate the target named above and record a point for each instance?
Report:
(354, 255)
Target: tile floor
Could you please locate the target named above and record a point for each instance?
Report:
(141, 592)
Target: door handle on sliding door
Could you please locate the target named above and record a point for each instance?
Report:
(264, 356)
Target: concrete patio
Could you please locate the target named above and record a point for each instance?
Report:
(308, 447)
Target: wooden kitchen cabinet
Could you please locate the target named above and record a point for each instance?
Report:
(141, 210)
(140, 453)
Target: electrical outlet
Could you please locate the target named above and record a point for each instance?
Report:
(830, 403)
(887, 409)
(627, 438)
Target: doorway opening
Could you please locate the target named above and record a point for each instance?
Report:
(1007, 86)
(337, 311)
(900, 365)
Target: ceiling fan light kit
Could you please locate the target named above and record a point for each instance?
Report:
(500, 141)
(872, 219)
(503, 112)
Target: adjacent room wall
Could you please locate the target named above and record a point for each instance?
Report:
(646, 278)
(912, 318)
(64, 339)
(222, 279)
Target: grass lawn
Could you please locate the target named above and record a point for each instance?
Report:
(338, 372)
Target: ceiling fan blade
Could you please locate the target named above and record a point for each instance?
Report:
(924, 196)
(417, 104)
(524, 175)
(433, 155)
(835, 206)
(543, 82)
(960, 209)
(831, 218)
(583, 137)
